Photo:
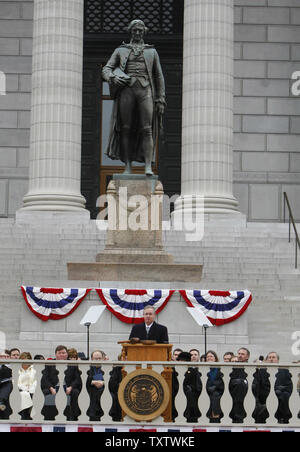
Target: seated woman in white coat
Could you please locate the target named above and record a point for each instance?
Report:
(27, 385)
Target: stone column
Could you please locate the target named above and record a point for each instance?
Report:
(207, 126)
(55, 143)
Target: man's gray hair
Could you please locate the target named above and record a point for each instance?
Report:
(246, 350)
(149, 307)
(275, 353)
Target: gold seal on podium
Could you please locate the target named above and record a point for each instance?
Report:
(144, 395)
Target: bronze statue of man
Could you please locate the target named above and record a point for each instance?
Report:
(137, 85)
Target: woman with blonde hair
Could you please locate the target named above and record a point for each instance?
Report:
(27, 385)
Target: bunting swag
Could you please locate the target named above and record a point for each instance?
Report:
(53, 304)
(128, 305)
(220, 307)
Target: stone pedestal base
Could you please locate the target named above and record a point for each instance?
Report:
(134, 272)
(134, 232)
(134, 247)
(126, 256)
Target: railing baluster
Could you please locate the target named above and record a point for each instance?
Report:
(180, 401)
(272, 401)
(249, 402)
(61, 399)
(204, 400)
(106, 399)
(160, 369)
(226, 400)
(38, 398)
(295, 399)
(15, 398)
(128, 368)
(83, 399)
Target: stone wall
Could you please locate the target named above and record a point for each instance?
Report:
(238, 256)
(15, 62)
(267, 115)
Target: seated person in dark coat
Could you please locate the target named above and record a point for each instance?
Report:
(72, 386)
(238, 388)
(6, 388)
(116, 377)
(261, 388)
(150, 329)
(214, 388)
(283, 390)
(95, 387)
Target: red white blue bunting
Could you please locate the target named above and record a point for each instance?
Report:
(128, 305)
(220, 307)
(54, 304)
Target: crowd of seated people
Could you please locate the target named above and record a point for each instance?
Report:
(238, 386)
(71, 382)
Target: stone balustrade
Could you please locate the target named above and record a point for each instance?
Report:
(181, 368)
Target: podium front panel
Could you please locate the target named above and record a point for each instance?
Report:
(142, 352)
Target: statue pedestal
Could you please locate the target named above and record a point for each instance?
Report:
(134, 221)
(134, 247)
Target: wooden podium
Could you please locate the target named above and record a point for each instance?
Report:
(153, 352)
(144, 352)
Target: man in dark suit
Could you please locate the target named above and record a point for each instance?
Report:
(238, 388)
(72, 387)
(6, 388)
(150, 329)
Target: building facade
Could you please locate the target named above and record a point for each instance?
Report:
(266, 99)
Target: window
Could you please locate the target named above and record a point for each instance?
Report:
(113, 16)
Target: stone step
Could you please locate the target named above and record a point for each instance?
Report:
(259, 247)
(238, 284)
(257, 257)
(261, 267)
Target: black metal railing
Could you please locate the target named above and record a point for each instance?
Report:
(291, 223)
